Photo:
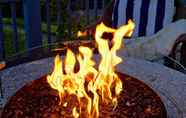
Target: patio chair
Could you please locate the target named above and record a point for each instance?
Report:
(156, 35)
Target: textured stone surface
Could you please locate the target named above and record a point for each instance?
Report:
(170, 84)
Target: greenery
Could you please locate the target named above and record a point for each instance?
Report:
(178, 2)
(75, 18)
(20, 24)
(9, 50)
(8, 35)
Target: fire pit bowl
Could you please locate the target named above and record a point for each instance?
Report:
(38, 100)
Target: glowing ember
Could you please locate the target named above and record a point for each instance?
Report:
(90, 84)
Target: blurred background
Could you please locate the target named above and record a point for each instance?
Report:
(57, 20)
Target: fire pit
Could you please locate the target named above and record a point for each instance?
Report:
(39, 100)
(82, 90)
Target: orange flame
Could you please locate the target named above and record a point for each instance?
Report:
(100, 83)
(80, 33)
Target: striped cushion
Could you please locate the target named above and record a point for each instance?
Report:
(149, 15)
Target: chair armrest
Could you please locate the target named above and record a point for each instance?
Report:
(181, 40)
(183, 52)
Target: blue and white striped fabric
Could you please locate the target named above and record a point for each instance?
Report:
(149, 15)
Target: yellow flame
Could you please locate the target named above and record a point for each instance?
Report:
(75, 113)
(69, 62)
(101, 81)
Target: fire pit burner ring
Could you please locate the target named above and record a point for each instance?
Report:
(38, 100)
